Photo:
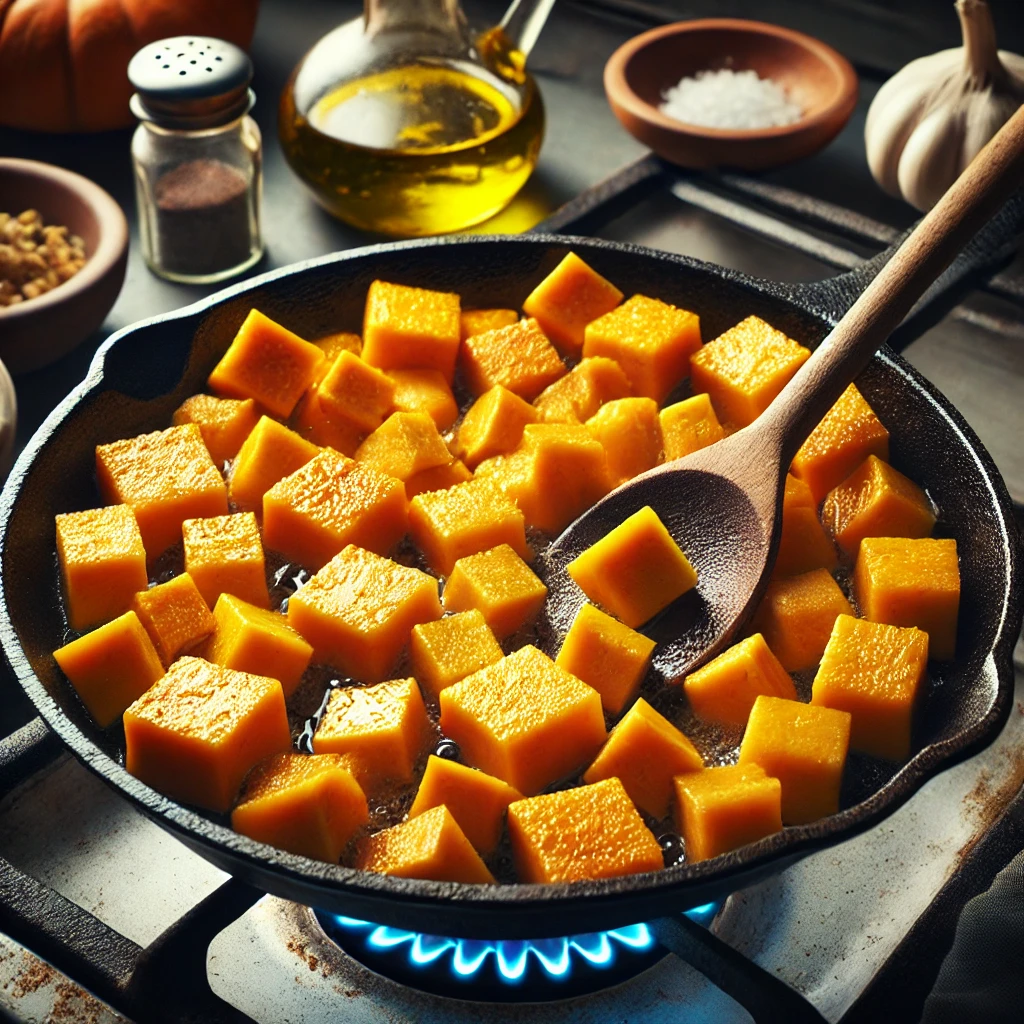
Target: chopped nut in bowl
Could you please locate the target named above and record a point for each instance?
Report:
(35, 257)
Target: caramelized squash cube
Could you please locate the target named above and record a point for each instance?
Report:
(439, 478)
(359, 610)
(224, 555)
(174, 615)
(575, 397)
(586, 832)
(354, 391)
(446, 650)
(875, 672)
(425, 391)
(803, 544)
(688, 426)
(645, 752)
(306, 804)
(102, 563)
(722, 809)
(476, 321)
(630, 432)
(405, 444)
(165, 478)
(651, 340)
(493, 426)
(332, 345)
(195, 734)
(524, 720)
(724, 690)
(313, 423)
(111, 666)
(268, 363)
(225, 423)
(270, 453)
(519, 358)
(635, 570)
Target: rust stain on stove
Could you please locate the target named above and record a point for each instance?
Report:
(988, 802)
(32, 977)
(73, 1005)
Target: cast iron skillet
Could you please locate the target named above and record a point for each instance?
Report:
(143, 372)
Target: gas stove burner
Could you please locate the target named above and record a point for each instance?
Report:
(504, 970)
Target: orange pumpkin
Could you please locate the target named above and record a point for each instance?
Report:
(64, 64)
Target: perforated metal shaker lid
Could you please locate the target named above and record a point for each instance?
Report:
(190, 82)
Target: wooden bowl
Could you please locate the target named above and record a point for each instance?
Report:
(813, 74)
(39, 331)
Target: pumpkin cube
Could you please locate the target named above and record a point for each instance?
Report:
(268, 363)
(688, 426)
(354, 391)
(165, 478)
(575, 397)
(722, 809)
(332, 345)
(500, 585)
(876, 500)
(630, 433)
(568, 299)
(476, 321)
(224, 555)
(465, 519)
(359, 610)
(524, 720)
(306, 804)
(405, 444)
(745, 368)
(796, 616)
(195, 733)
(519, 358)
(645, 752)
(431, 846)
(411, 329)
(174, 615)
(493, 425)
(651, 340)
(586, 832)
(425, 391)
(383, 729)
(270, 453)
(724, 690)
(438, 478)
(605, 654)
(875, 672)
(225, 423)
(332, 501)
(803, 544)
(804, 747)
(111, 666)
(905, 582)
(477, 801)
(446, 650)
(313, 423)
(102, 563)
(635, 570)
(252, 639)
(848, 434)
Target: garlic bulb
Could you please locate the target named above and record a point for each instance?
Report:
(929, 120)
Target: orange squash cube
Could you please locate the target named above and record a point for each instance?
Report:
(439, 478)
(645, 752)
(519, 358)
(165, 478)
(174, 615)
(651, 340)
(383, 729)
(224, 555)
(411, 329)
(630, 433)
(575, 397)
(803, 746)
(474, 799)
(425, 391)
(876, 501)
(875, 672)
(465, 519)
(586, 832)
(332, 345)
(359, 610)
(405, 444)
(915, 582)
(256, 640)
(354, 391)
(493, 425)
(332, 501)
(848, 434)
(635, 570)
(524, 720)
(224, 423)
(745, 368)
(688, 426)
(605, 654)
(268, 363)
(803, 544)
(446, 650)
(270, 453)
(722, 809)
(796, 617)
(431, 846)
(724, 690)
(306, 804)
(102, 563)
(311, 422)
(195, 733)
(476, 321)
(111, 666)
(568, 299)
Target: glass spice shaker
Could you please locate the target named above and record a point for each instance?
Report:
(197, 159)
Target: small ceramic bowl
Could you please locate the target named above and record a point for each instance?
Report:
(39, 331)
(813, 74)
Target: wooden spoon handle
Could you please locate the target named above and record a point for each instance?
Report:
(974, 197)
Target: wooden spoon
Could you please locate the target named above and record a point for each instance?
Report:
(723, 504)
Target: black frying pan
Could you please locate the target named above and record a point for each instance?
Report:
(143, 373)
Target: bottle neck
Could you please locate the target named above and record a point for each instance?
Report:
(441, 16)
